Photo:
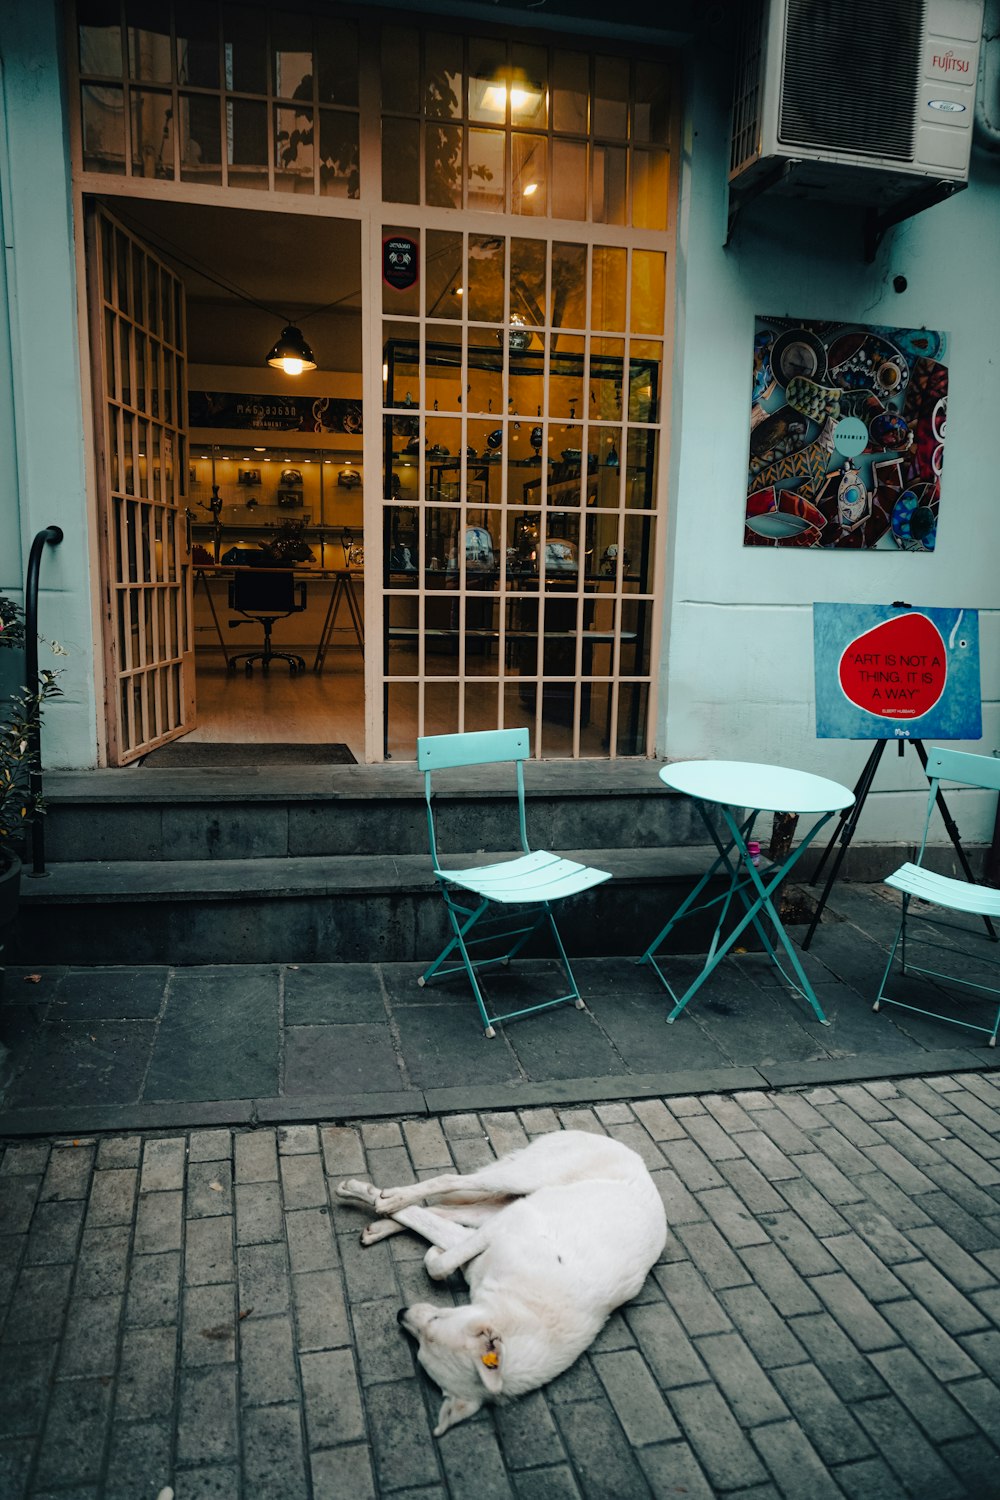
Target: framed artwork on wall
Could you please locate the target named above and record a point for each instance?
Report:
(847, 433)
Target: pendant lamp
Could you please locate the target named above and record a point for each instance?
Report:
(291, 353)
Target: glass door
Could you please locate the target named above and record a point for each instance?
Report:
(522, 404)
(140, 391)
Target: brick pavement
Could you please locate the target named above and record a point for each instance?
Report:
(195, 1309)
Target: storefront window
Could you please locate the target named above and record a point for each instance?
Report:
(513, 128)
(230, 96)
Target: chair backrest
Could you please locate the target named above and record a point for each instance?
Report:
(962, 768)
(444, 752)
(264, 590)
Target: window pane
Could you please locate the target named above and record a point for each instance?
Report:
(648, 291)
(641, 476)
(529, 174)
(246, 127)
(293, 148)
(566, 397)
(400, 160)
(245, 49)
(100, 38)
(644, 380)
(606, 378)
(651, 110)
(609, 164)
(570, 87)
(196, 23)
(338, 166)
(488, 79)
(485, 289)
(486, 174)
(529, 86)
(484, 392)
(527, 280)
(610, 97)
(443, 77)
(607, 307)
(148, 24)
(443, 166)
(569, 179)
(443, 274)
(201, 139)
(291, 42)
(152, 135)
(337, 58)
(650, 188)
(569, 286)
(103, 111)
(400, 76)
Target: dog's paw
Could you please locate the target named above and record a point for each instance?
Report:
(391, 1200)
(379, 1229)
(354, 1191)
(435, 1264)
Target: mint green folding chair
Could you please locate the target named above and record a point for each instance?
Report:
(945, 893)
(499, 906)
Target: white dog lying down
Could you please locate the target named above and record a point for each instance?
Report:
(551, 1240)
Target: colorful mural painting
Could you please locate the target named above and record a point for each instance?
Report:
(847, 428)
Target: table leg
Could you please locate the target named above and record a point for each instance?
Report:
(328, 624)
(355, 613)
(738, 883)
(199, 577)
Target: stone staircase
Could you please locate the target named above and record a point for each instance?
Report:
(330, 864)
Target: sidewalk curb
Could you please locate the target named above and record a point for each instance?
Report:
(416, 1103)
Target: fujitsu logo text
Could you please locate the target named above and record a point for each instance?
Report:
(949, 63)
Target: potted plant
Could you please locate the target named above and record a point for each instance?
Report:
(20, 801)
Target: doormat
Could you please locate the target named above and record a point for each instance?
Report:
(204, 753)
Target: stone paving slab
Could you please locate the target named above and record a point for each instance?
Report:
(192, 1308)
(147, 1048)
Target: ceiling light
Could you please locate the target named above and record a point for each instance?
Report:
(291, 353)
(529, 190)
(525, 98)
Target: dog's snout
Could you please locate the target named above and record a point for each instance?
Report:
(401, 1315)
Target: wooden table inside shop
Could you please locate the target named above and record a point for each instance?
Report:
(342, 592)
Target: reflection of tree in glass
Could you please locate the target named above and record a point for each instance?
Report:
(342, 167)
(444, 142)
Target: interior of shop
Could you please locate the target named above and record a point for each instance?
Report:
(274, 469)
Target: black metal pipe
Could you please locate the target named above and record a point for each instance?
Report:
(53, 535)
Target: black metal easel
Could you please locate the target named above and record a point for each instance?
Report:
(848, 821)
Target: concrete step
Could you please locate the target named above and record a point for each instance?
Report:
(300, 812)
(330, 908)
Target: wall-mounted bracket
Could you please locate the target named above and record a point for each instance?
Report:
(878, 224)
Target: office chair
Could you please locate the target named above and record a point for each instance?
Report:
(264, 595)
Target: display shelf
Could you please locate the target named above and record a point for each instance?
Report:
(261, 486)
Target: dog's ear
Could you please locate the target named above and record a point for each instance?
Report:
(489, 1359)
(454, 1409)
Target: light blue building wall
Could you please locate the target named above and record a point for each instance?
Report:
(738, 665)
(41, 402)
(737, 654)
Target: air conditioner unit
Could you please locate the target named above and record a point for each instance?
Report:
(856, 101)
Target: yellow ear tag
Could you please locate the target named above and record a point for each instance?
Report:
(491, 1359)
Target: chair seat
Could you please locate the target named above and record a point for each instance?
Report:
(943, 890)
(539, 876)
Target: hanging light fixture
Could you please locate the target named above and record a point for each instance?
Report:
(291, 353)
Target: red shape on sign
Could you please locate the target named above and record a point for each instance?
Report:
(897, 670)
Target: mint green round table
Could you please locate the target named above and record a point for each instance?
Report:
(738, 791)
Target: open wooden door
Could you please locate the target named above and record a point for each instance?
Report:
(137, 321)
